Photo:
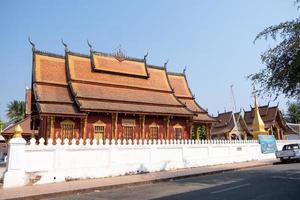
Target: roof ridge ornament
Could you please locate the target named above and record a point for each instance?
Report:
(31, 43)
(120, 54)
(145, 56)
(89, 44)
(184, 69)
(65, 45)
(165, 64)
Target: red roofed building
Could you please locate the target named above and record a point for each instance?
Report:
(107, 96)
(8, 131)
(273, 120)
(229, 128)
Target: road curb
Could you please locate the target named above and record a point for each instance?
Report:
(108, 187)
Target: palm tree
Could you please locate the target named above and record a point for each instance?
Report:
(15, 110)
(1, 125)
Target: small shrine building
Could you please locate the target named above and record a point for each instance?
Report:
(231, 128)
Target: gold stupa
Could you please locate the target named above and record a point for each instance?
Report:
(258, 125)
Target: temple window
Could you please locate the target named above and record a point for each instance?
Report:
(128, 132)
(67, 129)
(99, 130)
(128, 128)
(153, 131)
(178, 131)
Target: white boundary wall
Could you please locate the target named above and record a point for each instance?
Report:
(39, 164)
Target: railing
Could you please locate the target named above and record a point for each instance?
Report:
(87, 142)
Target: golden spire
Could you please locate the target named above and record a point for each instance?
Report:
(258, 125)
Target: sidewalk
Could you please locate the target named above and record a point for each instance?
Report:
(73, 187)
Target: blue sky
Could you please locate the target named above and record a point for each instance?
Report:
(214, 39)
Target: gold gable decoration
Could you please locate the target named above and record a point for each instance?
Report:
(177, 126)
(99, 123)
(153, 124)
(120, 54)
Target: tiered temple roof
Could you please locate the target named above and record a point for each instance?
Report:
(226, 123)
(126, 89)
(269, 115)
(76, 84)
(183, 92)
(50, 88)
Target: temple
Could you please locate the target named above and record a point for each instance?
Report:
(231, 127)
(260, 120)
(111, 96)
(273, 121)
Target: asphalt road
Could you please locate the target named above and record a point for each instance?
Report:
(280, 181)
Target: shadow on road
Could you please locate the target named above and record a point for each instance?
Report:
(287, 162)
(262, 183)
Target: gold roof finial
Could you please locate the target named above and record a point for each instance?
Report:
(258, 125)
(120, 54)
(18, 131)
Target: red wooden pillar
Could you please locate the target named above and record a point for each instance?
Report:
(189, 124)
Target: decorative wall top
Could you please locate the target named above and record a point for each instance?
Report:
(124, 142)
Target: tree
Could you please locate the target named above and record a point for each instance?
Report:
(15, 111)
(282, 72)
(293, 113)
(1, 125)
(201, 131)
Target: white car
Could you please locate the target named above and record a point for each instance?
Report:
(289, 152)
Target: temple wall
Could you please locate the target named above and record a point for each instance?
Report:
(39, 164)
(106, 119)
(181, 121)
(94, 118)
(57, 125)
(155, 120)
(128, 120)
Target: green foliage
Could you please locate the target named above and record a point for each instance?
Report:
(201, 131)
(293, 113)
(15, 111)
(282, 72)
(1, 125)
